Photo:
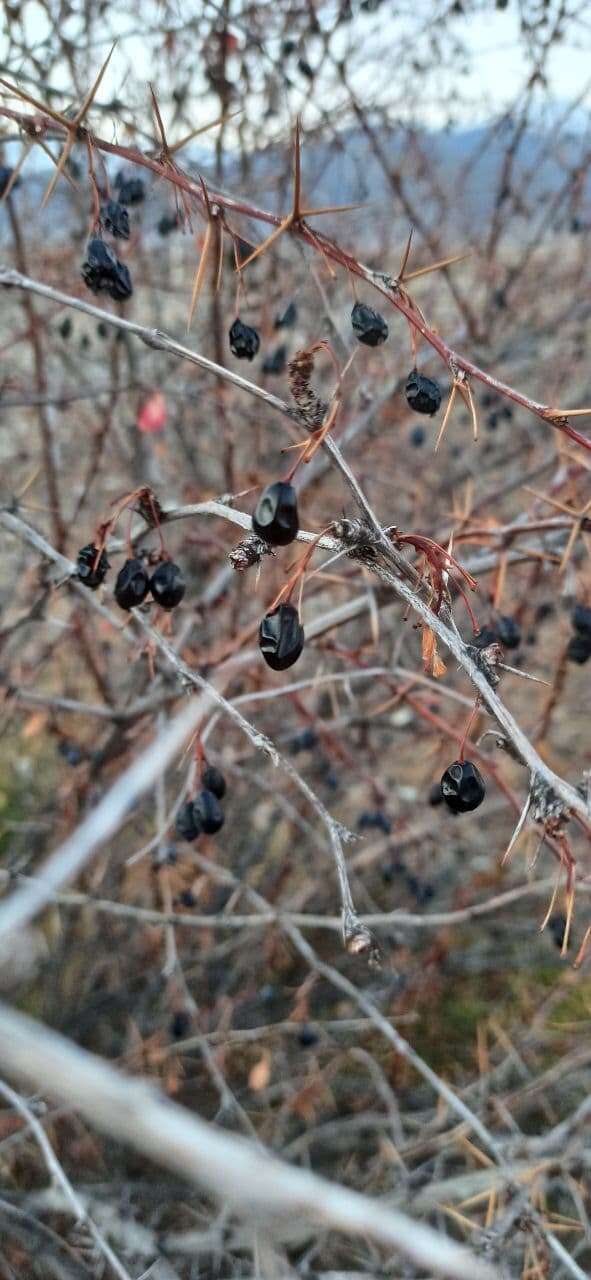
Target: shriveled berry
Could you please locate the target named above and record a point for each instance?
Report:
(168, 222)
(579, 648)
(102, 271)
(508, 631)
(187, 824)
(90, 571)
(422, 394)
(213, 780)
(276, 514)
(276, 362)
(307, 1037)
(132, 584)
(208, 812)
(281, 637)
(581, 619)
(487, 636)
(130, 190)
(289, 317)
(462, 787)
(116, 219)
(168, 585)
(244, 341)
(369, 326)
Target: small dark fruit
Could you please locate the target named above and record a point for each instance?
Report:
(187, 824)
(422, 394)
(557, 928)
(281, 637)
(213, 780)
(208, 812)
(462, 787)
(289, 317)
(116, 219)
(65, 328)
(276, 362)
(307, 1038)
(579, 648)
(102, 271)
(377, 820)
(244, 341)
(130, 190)
(168, 222)
(508, 631)
(276, 514)
(132, 584)
(488, 635)
(91, 572)
(417, 437)
(581, 619)
(168, 585)
(180, 1024)
(369, 326)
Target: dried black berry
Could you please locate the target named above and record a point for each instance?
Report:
(303, 741)
(492, 421)
(462, 787)
(5, 176)
(168, 222)
(208, 812)
(187, 898)
(368, 325)
(130, 190)
(187, 824)
(417, 437)
(289, 317)
(377, 820)
(91, 574)
(168, 585)
(213, 780)
(244, 341)
(487, 636)
(281, 637)
(116, 219)
(65, 328)
(307, 1038)
(276, 514)
(180, 1024)
(276, 362)
(557, 927)
(132, 584)
(422, 394)
(581, 619)
(579, 648)
(508, 631)
(71, 752)
(102, 271)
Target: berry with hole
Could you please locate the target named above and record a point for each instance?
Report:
(369, 326)
(422, 394)
(275, 516)
(462, 787)
(132, 584)
(281, 637)
(167, 585)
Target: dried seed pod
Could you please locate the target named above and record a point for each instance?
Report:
(581, 619)
(244, 341)
(102, 271)
(249, 551)
(276, 514)
(208, 812)
(132, 584)
(90, 573)
(369, 326)
(281, 637)
(116, 219)
(187, 824)
(462, 787)
(579, 648)
(213, 780)
(167, 585)
(129, 190)
(422, 394)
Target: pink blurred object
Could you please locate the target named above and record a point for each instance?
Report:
(153, 414)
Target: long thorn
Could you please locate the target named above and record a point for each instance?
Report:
(452, 396)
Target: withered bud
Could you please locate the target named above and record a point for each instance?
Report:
(248, 552)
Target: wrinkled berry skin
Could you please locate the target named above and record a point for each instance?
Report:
(168, 585)
(102, 271)
(87, 573)
(508, 631)
(581, 619)
(579, 648)
(213, 780)
(116, 219)
(132, 584)
(244, 341)
(275, 517)
(187, 824)
(208, 812)
(422, 394)
(369, 326)
(462, 787)
(281, 637)
(130, 190)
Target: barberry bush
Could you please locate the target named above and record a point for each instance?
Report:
(295, 633)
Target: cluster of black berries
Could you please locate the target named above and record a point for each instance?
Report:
(504, 630)
(203, 816)
(579, 645)
(166, 585)
(102, 271)
(462, 787)
(276, 521)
